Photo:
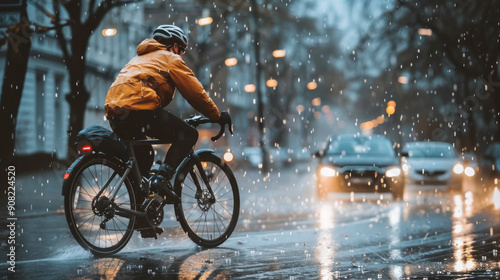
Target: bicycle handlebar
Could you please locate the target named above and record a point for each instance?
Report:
(197, 120)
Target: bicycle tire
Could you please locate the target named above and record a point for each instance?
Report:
(208, 225)
(87, 178)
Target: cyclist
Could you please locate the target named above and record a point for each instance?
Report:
(134, 102)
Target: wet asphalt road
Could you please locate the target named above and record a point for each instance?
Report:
(284, 232)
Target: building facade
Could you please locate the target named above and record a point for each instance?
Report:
(43, 117)
(44, 112)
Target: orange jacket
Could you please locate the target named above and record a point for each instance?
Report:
(149, 81)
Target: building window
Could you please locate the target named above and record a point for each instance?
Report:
(58, 110)
(40, 109)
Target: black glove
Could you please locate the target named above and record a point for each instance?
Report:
(225, 118)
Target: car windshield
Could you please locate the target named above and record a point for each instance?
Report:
(361, 146)
(435, 151)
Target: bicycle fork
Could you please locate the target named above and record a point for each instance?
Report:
(202, 197)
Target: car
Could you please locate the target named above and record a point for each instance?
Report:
(432, 163)
(489, 163)
(359, 163)
(470, 163)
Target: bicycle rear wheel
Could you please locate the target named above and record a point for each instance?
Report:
(85, 214)
(208, 220)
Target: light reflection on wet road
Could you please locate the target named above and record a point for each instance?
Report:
(284, 232)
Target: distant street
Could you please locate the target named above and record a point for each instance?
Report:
(284, 232)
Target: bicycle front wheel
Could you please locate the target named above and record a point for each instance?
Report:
(208, 217)
(92, 221)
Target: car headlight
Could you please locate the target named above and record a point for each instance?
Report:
(469, 171)
(405, 167)
(393, 172)
(328, 172)
(458, 168)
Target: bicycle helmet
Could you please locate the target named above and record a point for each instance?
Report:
(170, 34)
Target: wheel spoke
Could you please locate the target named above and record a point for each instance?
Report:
(211, 218)
(86, 226)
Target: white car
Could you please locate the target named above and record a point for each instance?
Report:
(432, 163)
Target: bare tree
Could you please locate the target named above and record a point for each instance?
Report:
(452, 46)
(18, 48)
(84, 18)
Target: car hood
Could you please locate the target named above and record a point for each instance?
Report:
(361, 161)
(431, 163)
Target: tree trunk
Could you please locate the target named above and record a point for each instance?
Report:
(16, 64)
(77, 100)
(79, 95)
(493, 81)
(260, 102)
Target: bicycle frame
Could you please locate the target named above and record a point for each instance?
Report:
(132, 166)
(210, 226)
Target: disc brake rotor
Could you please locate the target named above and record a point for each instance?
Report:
(205, 201)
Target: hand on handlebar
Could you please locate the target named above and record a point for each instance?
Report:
(225, 118)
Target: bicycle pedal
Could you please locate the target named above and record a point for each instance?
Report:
(151, 232)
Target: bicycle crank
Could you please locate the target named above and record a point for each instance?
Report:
(153, 208)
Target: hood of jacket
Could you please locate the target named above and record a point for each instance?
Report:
(149, 45)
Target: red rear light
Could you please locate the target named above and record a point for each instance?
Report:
(86, 148)
(66, 176)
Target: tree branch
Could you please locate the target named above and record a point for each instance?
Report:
(60, 35)
(95, 17)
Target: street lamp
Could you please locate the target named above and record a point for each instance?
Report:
(312, 85)
(279, 53)
(250, 88)
(391, 107)
(205, 21)
(316, 101)
(425, 32)
(109, 32)
(271, 83)
(403, 80)
(231, 61)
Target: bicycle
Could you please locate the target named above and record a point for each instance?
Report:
(106, 198)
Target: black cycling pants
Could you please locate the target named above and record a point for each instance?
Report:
(159, 124)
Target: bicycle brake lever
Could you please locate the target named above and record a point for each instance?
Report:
(221, 131)
(230, 126)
